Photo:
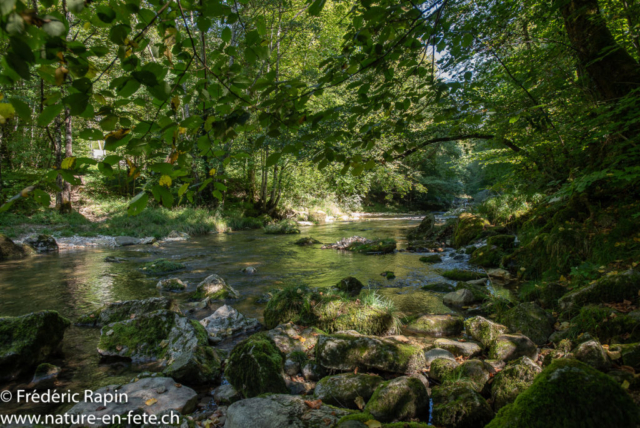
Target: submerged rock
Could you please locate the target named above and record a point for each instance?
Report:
(121, 311)
(358, 244)
(42, 243)
(177, 344)
(530, 320)
(162, 392)
(515, 378)
(350, 350)
(342, 390)
(438, 325)
(227, 322)
(28, 340)
(171, 284)
(279, 410)
(350, 285)
(303, 242)
(569, 393)
(483, 330)
(214, 287)
(256, 366)
(400, 399)
(458, 405)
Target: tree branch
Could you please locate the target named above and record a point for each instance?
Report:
(422, 145)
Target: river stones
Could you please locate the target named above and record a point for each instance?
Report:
(515, 378)
(124, 241)
(530, 320)
(400, 399)
(342, 390)
(162, 392)
(592, 353)
(171, 284)
(437, 325)
(227, 322)
(225, 395)
(483, 330)
(121, 311)
(10, 250)
(461, 297)
(466, 349)
(214, 287)
(279, 410)
(569, 393)
(508, 347)
(177, 344)
(440, 368)
(349, 350)
(459, 405)
(28, 340)
(256, 366)
(476, 371)
(42, 243)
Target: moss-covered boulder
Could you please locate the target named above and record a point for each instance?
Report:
(592, 353)
(439, 287)
(291, 338)
(479, 291)
(10, 250)
(530, 320)
(477, 372)
(459, 298)
(487, 256)
(463, 275)
(42, 243)
(609, 289)
(256, 366)
(400, 399)
(437, 325)
(570, 394)
(629, 354)
(171, 284)
(331, 312)
(121, 311)
(28, 340)
(469, 227)
(509, 347)
(434, 258)
(425, 227)
(161, 267)
(465, 348)
(307, 241)
(604, 323)
(506, 242)
(515, 378)
(376, 246)
(458, 405)
(349, 351)
(441, 368)
(350, 285)
(342, 390)
(174, 342)
(483, 330)
(214, 287)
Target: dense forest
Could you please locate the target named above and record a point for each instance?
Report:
(517, 122)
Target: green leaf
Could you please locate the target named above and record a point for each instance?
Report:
(105, 14)
(54, 28)
(357, 170)
(21, 108)
(217, 194)
(6, 6)
(147, 78)
(220, 186)
(129, 88)
(183, 189)
(75, 6)
(467, 40)
(316, 7)
(91, 134)
(41, 197)
(118, 34)
(273, 159)
(48, 114)
(163, 168)
(77, 103)
(138, 204)
(226, 35)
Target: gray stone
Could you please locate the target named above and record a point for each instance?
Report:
(508, 347)
(461, 297)
(458, 405)
(120, 311)
(313, 372)
(437, 325)
(225, 395)
(289, 338)
(592, 353)
(215, 288)
(476, 371)
(227, 322)
(42, 243)
(400, 399)
(291, 368)
(124, 241)
(432, 354)
(512, 380)
(342, 390)
(466, 349)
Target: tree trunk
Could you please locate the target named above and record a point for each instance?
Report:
(58, 161)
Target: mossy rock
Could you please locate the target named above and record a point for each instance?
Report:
(505, 242)
(507, 347)
(441, 368)
(547, 294)
(303, 242)
(431, 259)
(121, 311)
(327, 312)
(437, 325)
(42, 243)
(284, 227)
(470, 249)
(400, 399)
(379, 246)
(477, 372)
(629, 354)
(609, 289)
(480, 293)
(487, 256)
(530, 320)
(469, 227)
(214, 287)
(359, 420)
(342, 390)
(570, 394)
(10, 250)
(162, 266)
(171, 284)
(440, 287)
(425, 228)
(458, 405)
(256, 367)
(28, 340)
(388, 274)
(463, 275)
(350, 285)
(484, 330)
(515, 378)
(607, 324)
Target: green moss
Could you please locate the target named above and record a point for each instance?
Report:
(256, 367)
(398, 399)
(570, 394)
(511, 381)
(144, 335)
(431, 259)
(366, 417)
(284, 227)
(470, 249)
(614, 288)
(441, 287)
(299, 357)
(388, 274)
(342, 390)
(9, 250)
(487, 256)
(380, 246)
(480, 293)
(441, 368)
(505, 242)
(547, 294)
(459, 405)
(469, 227)
(606, 324)
(463, 275)
(350, 285)
(162, 266)
(307, 241)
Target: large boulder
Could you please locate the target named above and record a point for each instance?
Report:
(569, 394)
(509, 347)
(530, 320)
(614, 288)
(591, 352)
(629, 354)
(121, 311)
(42, 243)
(459, 405)
(350, 350)
(28, 340)
(10, 250)
(400, 399)
(214, 287)
(278, 410)
(477, 372)
(227, 322)
(515, 378)
(147, 396)
(469, 227)
(437, 325)
(441, 368)
(487, 256)
(342, 390)
(435, 353)
(291, 338)
(483, 330)
(256, 366)
(350, 285)
(174, 342)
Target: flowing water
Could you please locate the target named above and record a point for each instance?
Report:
(79, 281)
